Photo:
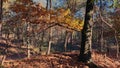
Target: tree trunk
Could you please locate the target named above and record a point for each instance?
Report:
(85, 51)
(47, 4)
(66, 41)
(49, 47)
(28, 41)
(42, 40)
(50, 42)
(1, 4)
(101, 39)
(71, 43)
(50, 36)
(50, 4)
(117, 45)
(28, 50)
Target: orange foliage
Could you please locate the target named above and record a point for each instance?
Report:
(37, 14)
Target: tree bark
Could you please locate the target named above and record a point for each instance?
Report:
(28, 41)
(28, 50)
(47, 4)
(66, 41)
(42, 40)
(50, 42)
(1, 5)
(117, 45)
(85, 51)
(50, 4)
(102, 38)
(49, 47)
(71, 39)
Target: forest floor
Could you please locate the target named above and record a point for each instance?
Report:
(56, 60)
(61, 60)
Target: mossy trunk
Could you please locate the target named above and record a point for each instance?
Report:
(85, 51)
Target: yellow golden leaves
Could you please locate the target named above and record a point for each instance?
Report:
(70, 21)
(38, 14)
(74, 23)
(66, 12)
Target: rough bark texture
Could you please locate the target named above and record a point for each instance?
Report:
(85, 51)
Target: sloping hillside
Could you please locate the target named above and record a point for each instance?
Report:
(61, 60)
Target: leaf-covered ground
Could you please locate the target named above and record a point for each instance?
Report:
(56, 60)
(61, 60)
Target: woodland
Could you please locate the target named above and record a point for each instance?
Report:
(59, 33)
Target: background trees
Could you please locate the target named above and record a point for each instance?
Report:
(33, 29)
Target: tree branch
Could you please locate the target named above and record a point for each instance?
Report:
(67, 27)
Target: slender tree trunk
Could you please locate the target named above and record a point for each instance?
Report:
(50, 37)
(119, 41)
(18, 33)
(28, 50)
(50, 42)
(85, 51)
(66, 41)
(50, 4)
(117, 45)
(49, 47)
(42, 40)
(71, 39)
(1, 4)
(101, 39)
(79, 36)
(47, 4)
(28, 41)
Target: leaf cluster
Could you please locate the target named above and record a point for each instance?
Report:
(37, 14)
